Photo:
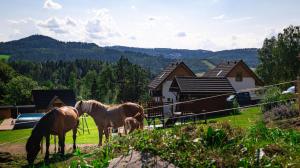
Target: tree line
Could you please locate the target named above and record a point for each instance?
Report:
(278, 56)
(89, 79)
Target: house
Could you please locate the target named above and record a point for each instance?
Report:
(160, 85)
(192, 88)
(238, 73)
(44, 100)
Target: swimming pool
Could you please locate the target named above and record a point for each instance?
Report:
(27, 120)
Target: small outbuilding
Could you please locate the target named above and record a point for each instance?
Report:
(45, 100)
(192, 88)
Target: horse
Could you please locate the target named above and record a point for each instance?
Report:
(106, 116)
(57, 121)
(131, 124)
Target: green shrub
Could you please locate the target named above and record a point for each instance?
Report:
(274, 95)
(236, 106)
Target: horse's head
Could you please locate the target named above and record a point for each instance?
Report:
(32, 149)
(78, 107)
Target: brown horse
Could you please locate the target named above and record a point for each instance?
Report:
(57, 121)
(110, 116)
(131, 124)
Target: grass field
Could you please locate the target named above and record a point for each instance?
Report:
(247, 118)
(208, 64)
(4, 57)
(92, 138)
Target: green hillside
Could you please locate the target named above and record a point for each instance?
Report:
(4, 57)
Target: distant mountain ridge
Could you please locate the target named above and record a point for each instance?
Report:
(249, 55)
(39, 48)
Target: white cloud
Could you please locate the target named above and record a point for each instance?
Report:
(219, 17)
(70, 21)
(132, 38)
(133, 7)
(49, 4)
(241, 19)
(54, 25)
(151, 19)
(22, 28)
(181, 34)
(101, 25)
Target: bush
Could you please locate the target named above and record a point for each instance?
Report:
(280, 112)
(274, 95)
(236, 106)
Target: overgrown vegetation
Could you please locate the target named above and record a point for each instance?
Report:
(4, 57)
(274, 94)
(213, 145)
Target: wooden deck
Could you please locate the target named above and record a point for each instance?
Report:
(7, 124)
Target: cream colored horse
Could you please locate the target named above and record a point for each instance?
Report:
(110, 116)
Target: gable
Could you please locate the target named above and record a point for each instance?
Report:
(180, 71)
(174, 69)
(239, 69)
(243, 69)
(231, 68)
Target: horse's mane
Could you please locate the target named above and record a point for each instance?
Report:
(88, 104)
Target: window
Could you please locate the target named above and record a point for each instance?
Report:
(239, 77)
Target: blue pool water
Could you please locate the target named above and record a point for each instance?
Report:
(27, 120)
(30, 116)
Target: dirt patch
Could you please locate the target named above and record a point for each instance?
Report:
(20, 148)
(5, 157)
(291, 123)
(137, 159)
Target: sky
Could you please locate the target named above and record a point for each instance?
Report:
(186, 24)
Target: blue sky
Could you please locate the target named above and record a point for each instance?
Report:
(191, 24)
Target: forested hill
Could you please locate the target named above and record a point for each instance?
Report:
(250, 55)
(39, 48)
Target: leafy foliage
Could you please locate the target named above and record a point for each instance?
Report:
(278, 56)
(274, 94)
(18, 90)
(215, 145)
(109, 83)
(281, 112)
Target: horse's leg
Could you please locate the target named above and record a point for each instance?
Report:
(54, 136)
(100, 133)
(61, 139)
(106, 132)
(47, 147)
(125, 130)
(74, 136)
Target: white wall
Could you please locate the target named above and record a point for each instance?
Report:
(167, 94)
(247, 83)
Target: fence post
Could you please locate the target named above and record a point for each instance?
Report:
(298, 91)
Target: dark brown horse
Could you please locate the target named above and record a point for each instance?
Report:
(57, 121)
(106, 116)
